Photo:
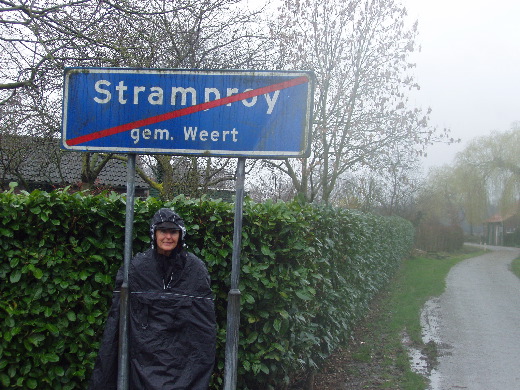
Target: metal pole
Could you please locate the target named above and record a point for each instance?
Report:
(122, 380)
(233, 309)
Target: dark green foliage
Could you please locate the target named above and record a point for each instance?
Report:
(307, 274)
(512, 238)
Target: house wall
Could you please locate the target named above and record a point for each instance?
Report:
(504, 233)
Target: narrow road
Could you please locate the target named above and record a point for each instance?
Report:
(477, 325)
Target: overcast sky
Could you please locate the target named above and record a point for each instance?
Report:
(468, 67)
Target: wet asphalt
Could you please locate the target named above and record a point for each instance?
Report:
(476, 325)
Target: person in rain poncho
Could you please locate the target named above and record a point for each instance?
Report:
(172, 327)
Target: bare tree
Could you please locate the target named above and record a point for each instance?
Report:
(401, 182)
(389, 191)
(359, 50)
(267, 184)
(39, 38)
(203, 35)
(440, 200)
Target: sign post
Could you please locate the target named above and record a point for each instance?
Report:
(240, 114)
(233, 309)
(122, 378)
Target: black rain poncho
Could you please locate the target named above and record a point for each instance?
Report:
(172, 328)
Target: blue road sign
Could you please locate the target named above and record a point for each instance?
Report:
(209, 113)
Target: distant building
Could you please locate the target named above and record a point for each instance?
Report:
(39, 163)
(503, 231)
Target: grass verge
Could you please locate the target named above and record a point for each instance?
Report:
(515, 267)
(376, 358)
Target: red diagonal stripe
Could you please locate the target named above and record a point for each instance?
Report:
(186, 111)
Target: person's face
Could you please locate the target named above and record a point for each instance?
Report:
(167, 240)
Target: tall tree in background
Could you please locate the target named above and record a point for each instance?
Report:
(484, 178)
(491, 168)
(40, 38)
(359, 50)
(471, 187)
(389, 191)
(440, 200)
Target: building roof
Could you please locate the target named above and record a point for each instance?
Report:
(40, 161)
(497, 218)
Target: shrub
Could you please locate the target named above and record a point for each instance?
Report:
(434, 237)
(307, 274)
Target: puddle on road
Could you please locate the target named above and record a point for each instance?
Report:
(419, 361)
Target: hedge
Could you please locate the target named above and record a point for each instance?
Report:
(307, 274)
